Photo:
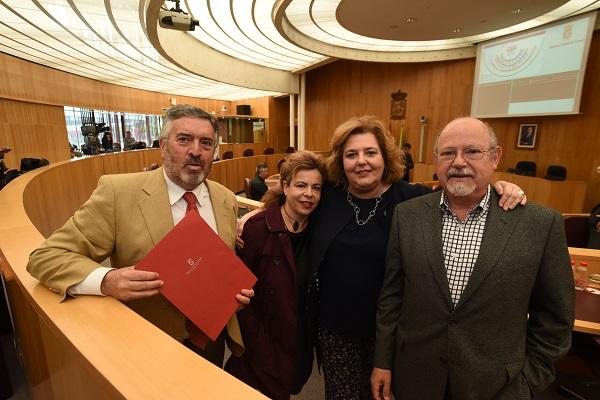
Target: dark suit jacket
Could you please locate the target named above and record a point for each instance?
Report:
(258, 188)
(485, 347)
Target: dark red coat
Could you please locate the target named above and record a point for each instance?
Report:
(269, 323)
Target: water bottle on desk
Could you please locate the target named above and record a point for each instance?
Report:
(581, 276)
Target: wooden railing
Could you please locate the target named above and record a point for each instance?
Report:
(95, 347)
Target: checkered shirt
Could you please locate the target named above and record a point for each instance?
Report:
(461, 242)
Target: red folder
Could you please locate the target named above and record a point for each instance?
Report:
(201, 273)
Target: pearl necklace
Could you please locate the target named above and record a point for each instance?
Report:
(359, 221)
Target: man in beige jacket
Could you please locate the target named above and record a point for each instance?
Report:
(128, 214)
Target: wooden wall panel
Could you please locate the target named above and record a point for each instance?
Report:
(32, 96)
(442, 91)
(33, 130)
(27, 81)
(238, 148)
(279, 123)
(259, 107)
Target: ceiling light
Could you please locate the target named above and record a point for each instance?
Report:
(456, 30)
(517, 11)
(411, 19)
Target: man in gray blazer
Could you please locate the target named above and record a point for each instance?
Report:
(477, 303)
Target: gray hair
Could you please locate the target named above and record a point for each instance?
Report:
(491, 133)
(184, 110)
(260, 167)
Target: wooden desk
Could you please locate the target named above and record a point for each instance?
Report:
(587, 312)
(272, 181)
(92, 347)
(587, 307)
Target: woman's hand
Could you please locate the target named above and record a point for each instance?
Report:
(511, 195)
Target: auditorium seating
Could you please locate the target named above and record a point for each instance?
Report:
(576, 229)
(248, 188)
(556, 173)
(527, 168)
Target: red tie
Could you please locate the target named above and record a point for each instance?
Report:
(197, 337)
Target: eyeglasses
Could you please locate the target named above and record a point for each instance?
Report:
(469, 154)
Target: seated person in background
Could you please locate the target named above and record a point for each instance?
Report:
(278, 358)
(92, 145)
(107, 142)
(128, 214)
(3, 167)
(259, 187)
(129, 141)
(155, 144)
(594, 222)
(408, 161)
(75, 152)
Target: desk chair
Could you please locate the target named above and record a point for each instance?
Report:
(556, 173)
(9, 176)
(279, 163)
(577, 230)
(527, 168)
(248, 188)
(29, 164)
(584, 383)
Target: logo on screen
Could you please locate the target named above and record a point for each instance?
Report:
(567, 32)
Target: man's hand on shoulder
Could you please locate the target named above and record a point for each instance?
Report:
(239, 243)
(381, 382)
(130, 284)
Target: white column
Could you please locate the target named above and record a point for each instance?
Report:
(301, 112)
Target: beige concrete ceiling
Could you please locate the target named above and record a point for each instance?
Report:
(250, 48)
(435, 20)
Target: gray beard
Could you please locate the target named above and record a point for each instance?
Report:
(460, 189)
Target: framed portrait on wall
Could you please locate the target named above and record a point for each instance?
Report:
(527, 137)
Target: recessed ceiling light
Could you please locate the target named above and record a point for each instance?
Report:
(456, 30)
(411, 19)
(393, 26)
(517, 11)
